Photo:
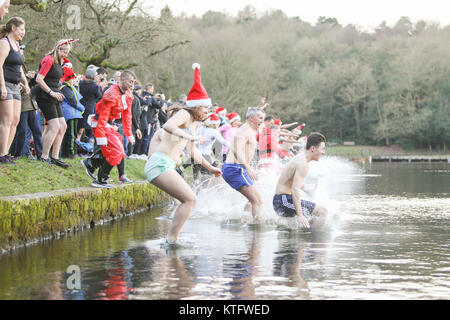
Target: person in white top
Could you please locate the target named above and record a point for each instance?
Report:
(210, 134)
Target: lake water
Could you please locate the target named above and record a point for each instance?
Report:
(388, 237)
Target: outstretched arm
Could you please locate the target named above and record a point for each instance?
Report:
(198, 158)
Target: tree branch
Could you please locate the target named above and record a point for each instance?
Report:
(173, 45)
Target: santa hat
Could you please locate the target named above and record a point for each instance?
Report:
(233, 116)
(67, 63)
(197, 96)
(68, 74)
(277, 123)
(213, 119)
(221, 111)
(299, 128)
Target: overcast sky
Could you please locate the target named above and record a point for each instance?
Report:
(365, 13)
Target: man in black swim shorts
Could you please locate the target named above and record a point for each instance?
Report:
(286, 201)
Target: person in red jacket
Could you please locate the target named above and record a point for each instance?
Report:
(115, 104)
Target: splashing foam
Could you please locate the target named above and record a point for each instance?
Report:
(326, 179)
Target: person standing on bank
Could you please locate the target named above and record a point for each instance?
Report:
(11, 77)
(72, 111)
(49, 99)
(4, 6)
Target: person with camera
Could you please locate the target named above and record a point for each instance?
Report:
(91, 92)
(155, 103)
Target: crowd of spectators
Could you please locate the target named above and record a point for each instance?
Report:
(44, 113)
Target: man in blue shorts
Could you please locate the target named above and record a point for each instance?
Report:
(286, 201)
(236, 170)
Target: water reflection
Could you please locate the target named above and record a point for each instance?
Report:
(389, 244)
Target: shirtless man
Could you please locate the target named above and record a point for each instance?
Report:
(237, 171)
(176, 135)
(286, 201)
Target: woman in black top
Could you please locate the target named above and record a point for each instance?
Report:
(49, 100)
(11, 80)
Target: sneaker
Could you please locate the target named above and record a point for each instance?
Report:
(59, 163)
(6, 160)
(123, 178)
(47, 161)
(98, 184)
(88, 168)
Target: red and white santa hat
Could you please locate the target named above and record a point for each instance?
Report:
(221, 111)
(299, 128)
(233, 116)
(212, 119)
(198, 96)
(277, 123)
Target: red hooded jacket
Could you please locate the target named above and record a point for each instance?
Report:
(113, 105)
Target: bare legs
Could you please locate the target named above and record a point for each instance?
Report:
(172, 183)
(9, 119)
(255, 200)
(320, 214)
(53, 136)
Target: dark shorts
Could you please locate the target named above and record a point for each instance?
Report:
(50, 109)
(284, 206)
(236, 176)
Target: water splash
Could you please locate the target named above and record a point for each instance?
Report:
(327, 179)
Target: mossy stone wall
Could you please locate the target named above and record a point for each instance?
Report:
(26, 218)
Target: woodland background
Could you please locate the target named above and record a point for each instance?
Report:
(389, 86)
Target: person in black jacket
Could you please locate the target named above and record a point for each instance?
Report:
(136, 116)
(154, 103)
(91, 93)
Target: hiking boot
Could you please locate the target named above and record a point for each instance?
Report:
(59, 163)
(47, 161)
(101, 184)
(123, 178)
(88, 168)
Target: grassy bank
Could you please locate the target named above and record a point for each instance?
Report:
(39, 201)
(31, 176)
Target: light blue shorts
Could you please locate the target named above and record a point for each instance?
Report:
(157, 164)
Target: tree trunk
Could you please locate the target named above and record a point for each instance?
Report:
(357, 120)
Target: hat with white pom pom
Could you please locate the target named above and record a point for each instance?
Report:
(197, 97)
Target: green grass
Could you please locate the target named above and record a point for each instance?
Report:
(31, 176)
